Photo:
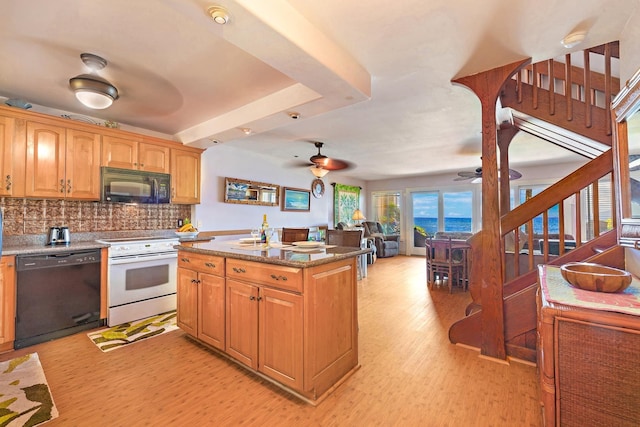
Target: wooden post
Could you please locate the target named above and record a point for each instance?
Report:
(487, 86)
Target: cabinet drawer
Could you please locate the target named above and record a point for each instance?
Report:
(202, 263)
(286, 278)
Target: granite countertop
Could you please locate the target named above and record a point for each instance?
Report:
(35, 243)
(286, 255)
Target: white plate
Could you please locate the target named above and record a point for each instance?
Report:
(308, 244)
(187, 233)
(249, 240)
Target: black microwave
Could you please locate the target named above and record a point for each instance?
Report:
(131, 186)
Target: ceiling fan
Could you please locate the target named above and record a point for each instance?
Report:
(321, 161)
(465, 175)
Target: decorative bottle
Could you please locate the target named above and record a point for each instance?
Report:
(263, 229)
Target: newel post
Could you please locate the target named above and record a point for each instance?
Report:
(487, 87)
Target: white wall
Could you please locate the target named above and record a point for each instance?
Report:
(630, 48)
(224, 160)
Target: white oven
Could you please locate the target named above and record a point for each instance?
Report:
(142, 275)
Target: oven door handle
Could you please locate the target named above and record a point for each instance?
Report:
(128, 259)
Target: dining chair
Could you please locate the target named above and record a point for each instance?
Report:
(445, 263)
(351, 239)
(290, 235)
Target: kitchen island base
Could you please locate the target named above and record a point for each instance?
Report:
(294, 323)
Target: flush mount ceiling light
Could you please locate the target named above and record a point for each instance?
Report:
(91, 89)
(218, 14)
(574, 38)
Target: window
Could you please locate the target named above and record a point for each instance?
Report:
(443, 211)
(386, 210)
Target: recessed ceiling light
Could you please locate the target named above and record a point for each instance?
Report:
(246, 131)
(218, 14)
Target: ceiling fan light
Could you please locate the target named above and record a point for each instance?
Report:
(573, 39)
(93, 91)
(218, 14)
(318, 172)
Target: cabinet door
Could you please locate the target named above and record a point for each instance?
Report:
(8, 303)
(45, 161)
(82, 170)
(119, 152)
(7, 125)
(153, 158)
(185, 177)
(281, 326)
(187, 293)
(211, 303)
(242, 322)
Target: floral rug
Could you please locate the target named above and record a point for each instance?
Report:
(127, 333)
(25, 399)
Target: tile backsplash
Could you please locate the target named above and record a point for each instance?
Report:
(30, 216)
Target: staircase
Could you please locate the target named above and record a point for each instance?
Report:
(568, 106)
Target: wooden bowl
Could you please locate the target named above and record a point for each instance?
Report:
(596, 277)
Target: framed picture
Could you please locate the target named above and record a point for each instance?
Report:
(296, 199)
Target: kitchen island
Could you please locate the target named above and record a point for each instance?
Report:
(287, 314)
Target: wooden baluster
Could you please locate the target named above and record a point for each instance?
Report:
(577, 227)
(588, 101)
(545, 235)
(568, 90)
(519, 85)
(596, 211)
(536, 83)
(561, 227)
(607, 85)
(552, 89)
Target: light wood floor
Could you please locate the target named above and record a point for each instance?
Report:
(410, 376)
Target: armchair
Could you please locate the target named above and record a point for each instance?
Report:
(387, 245)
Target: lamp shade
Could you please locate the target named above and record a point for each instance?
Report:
(318, 172)
(93, 91)
(358, 216)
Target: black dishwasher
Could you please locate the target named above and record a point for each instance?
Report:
(57, 295)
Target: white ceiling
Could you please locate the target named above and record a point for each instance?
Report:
(370, 78)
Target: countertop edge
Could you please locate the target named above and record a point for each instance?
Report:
(337, 251)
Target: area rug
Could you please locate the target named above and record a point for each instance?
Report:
(127, 333)
(25, 399)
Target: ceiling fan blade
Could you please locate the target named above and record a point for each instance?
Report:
(462, 178)
(335, 165)
(465, 174)
(514, 174)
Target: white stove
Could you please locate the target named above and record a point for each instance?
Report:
(142, 277)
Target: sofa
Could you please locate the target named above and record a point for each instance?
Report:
(387, 245)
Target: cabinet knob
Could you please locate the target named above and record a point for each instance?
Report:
(239, 270)
(210, 264)
(194, 281)
(68, 186)
(62, 185)
(184, 259)
(8, 183)
(279, 277)
(252, 298)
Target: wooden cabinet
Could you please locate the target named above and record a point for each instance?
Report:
(588, 354)
(126, 153)
(7, 302)
(185, 176)
(82, 165)
(61, 163)
(11, 166)
(201, 298)
(264, 330)
(296, 326)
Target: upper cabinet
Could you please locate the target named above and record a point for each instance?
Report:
(53, 158)
(185, 176)
(11, 169)
(133, 154)
(61, 163)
